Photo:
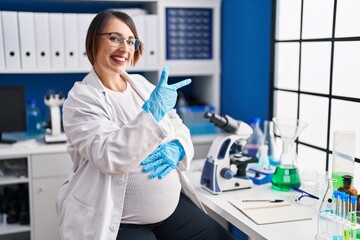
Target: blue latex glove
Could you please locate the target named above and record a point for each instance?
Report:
(164, 159)
(164, 96)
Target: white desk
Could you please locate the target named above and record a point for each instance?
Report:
(299, 230)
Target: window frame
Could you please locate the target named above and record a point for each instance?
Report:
(329, 96)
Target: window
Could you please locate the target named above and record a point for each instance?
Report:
(317, 73)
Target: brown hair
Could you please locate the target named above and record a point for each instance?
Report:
(97, 26)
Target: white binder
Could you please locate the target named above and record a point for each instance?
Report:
(139, 20)
(27, 40)
(84, 21)
(11, 40)
(2, 51)
(57, 41)
(151, 48)
(71, 41)
(42, 40)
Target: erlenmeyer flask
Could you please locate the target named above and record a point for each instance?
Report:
(286, 174)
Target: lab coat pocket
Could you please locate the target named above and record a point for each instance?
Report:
(78, 221)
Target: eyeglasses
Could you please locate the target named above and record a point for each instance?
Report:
(303, 194)
(115, 41)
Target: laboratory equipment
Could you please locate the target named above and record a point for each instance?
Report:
(340, 227)
(256, 139)
(326, 207)
(263, 157)
(343, 156)
(261, 172)
(353, 204)
(225, 152)
(269, 140)
(347, 187)
(286, 174)
(33, 118)
(54, 101)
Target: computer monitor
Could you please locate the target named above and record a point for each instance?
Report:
(12, 110)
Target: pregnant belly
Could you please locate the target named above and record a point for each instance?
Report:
(150, 200)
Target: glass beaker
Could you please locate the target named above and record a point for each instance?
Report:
(286, 174)
(344, 146)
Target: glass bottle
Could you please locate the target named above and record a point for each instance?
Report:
(263, 157)
(347, 187)
(269, 141)
(33, 118)
(254, 142)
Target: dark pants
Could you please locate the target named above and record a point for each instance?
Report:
(188, 222)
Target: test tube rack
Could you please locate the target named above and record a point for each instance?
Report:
(333, 227)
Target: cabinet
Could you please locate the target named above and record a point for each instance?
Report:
(14, 179)
(49, 172)
(41, 171)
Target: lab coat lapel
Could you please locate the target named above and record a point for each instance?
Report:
(117, 114)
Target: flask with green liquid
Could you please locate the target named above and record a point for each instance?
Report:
(286, 174)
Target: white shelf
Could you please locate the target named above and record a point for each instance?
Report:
(68, 71)
(13, 180)
(13, 228)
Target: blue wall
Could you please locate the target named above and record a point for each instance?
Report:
(246, 42)
(245, 39)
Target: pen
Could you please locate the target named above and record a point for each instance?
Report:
(264, 200)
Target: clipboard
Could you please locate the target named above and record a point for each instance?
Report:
(268, 213)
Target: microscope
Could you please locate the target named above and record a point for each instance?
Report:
(54, 101)
(225, 166)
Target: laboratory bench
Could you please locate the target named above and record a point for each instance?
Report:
(223, 210)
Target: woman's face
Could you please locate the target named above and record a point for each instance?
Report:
(112, 59)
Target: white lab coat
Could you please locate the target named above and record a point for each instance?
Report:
(105, 147)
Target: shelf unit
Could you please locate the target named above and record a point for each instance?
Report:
(47, 167)
(8, 179)
(204, 72)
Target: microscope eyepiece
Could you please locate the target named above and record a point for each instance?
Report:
(208, 115)
(225, 122)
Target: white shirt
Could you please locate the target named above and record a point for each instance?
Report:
(144, 196)
(105, 147)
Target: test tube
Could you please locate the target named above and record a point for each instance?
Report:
(339, 221)
(336, 203)
(346, 206)
(341, 205)
(353, 203)
(352, 217)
